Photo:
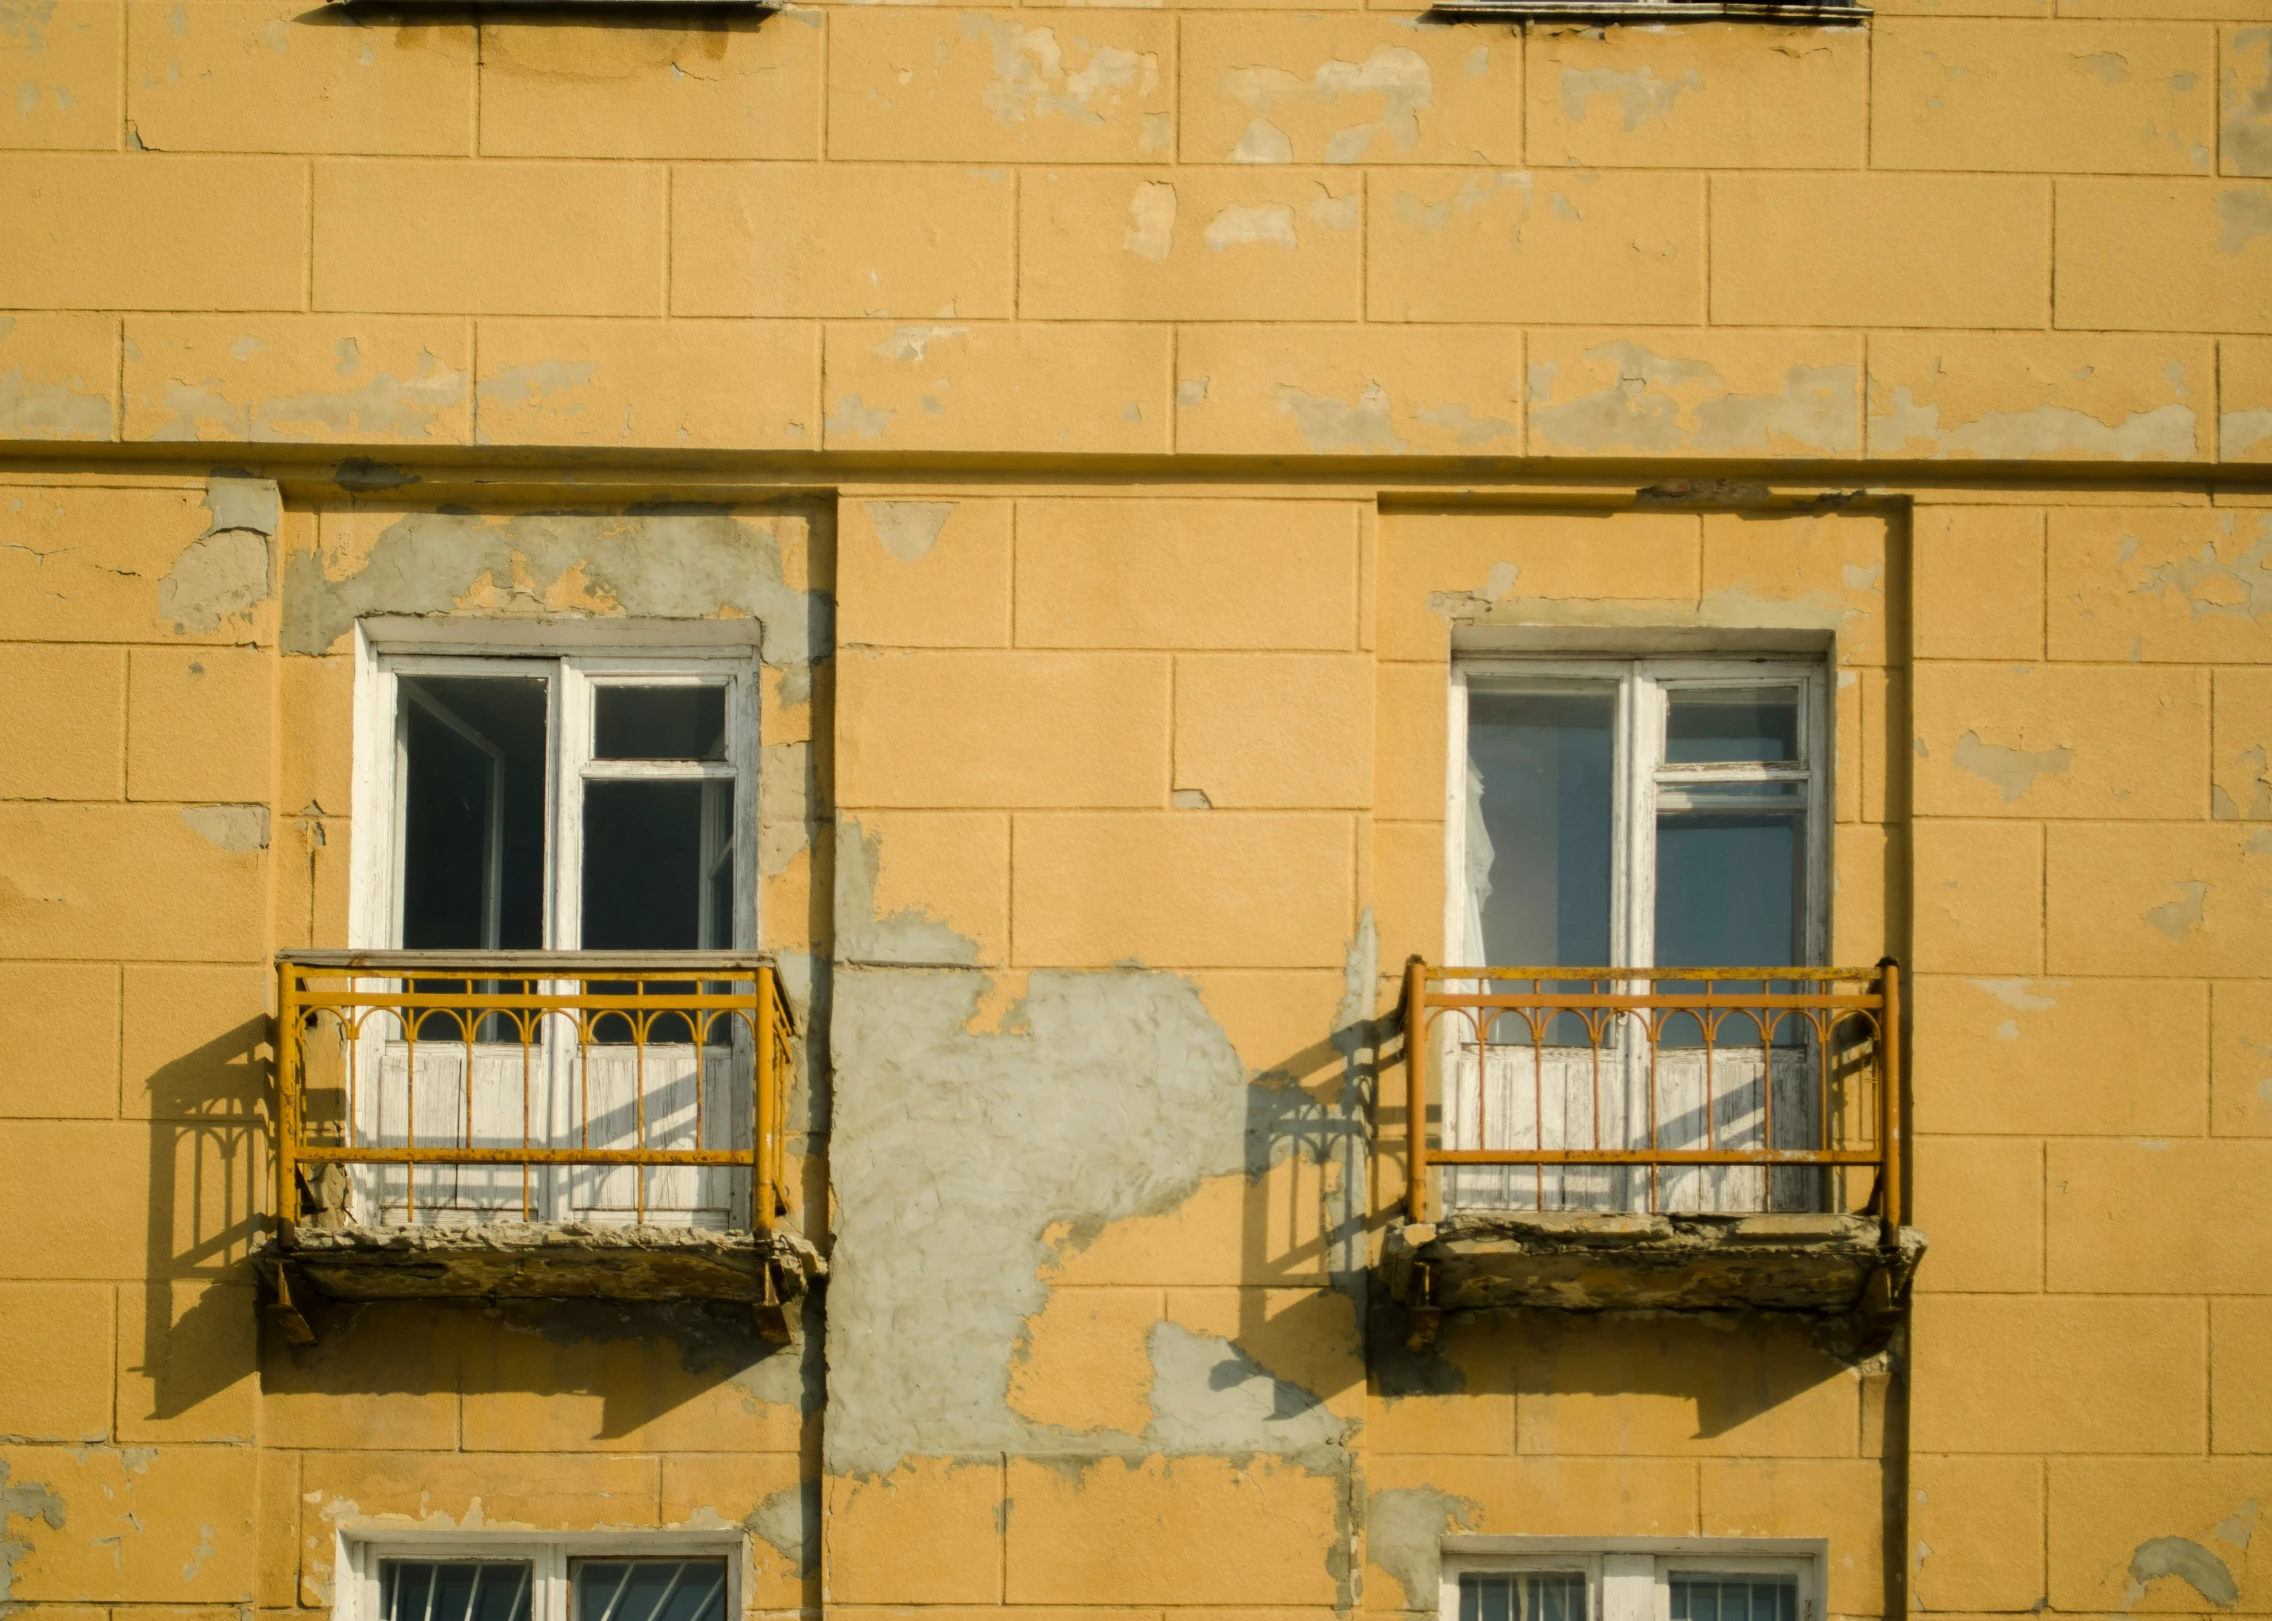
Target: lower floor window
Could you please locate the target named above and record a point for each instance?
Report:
(1542, 1579)
(541, 1583)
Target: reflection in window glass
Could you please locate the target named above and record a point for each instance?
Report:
(1697, 1597)
(1724, 725)
(1540, 779)
(658, 723)
(1730, 889)
(454, 1589)
(647, 1589)
(1545, 1595)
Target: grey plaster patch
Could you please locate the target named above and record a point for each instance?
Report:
(2247, 132)
(2179, 918)
(34, 408)
(2013, 770)
(1818, 406)
(29, 1501)
(1210, 1396)
(530, 384)
(2189, 1562)
(790, 804)
(240, 501)
(1404, 1532)
(1640, 95)
(659, 562)
(1328, 424)
(238, 829)
(2247, 215)
(789, 1521)
(2239, 1527)
(2216, 588)
(909, 529)
(384, 406)
(217, 577)
(1122, 1094)
(2239, 432)
(904, 938)
(854, 416)
(2164, 433)
(1468, 431)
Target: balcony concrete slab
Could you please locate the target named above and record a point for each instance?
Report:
(1599, 1261)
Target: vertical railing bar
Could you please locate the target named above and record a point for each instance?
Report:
(1889, 1083)
(412, 1027)
(1767, 1103)
(528, 1043)
(287, 1100)
(1416, 1089)
(642, 1026)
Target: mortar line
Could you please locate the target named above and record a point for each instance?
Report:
(125, 78)
(308, 290)
(118, 417)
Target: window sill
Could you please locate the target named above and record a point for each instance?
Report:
(1651, 13)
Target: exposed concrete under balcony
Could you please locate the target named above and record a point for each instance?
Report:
(1825, 1265)
(539, 1260)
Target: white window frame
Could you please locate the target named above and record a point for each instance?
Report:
(1642, 685)
(577, 671)
(357, 1552)
(1627, 1578)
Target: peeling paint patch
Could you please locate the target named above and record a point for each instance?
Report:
(2241, 588)
(910, 342)
(1328, 424)
(852, 416)
(1033, 80)
(909, 529)
(1151, 221)
(29, 1501)
(1640, 95)
(226, 570)
(1241, 224)
(527, 385)
(1468, 431)
(2247, 214)
(32, 408)
(2246, 135)
(2240, 432)
(2189, 1562)
(1398, 75)
(385, 406)
(2014, 993)
(238, 829)
(1662, 403)
(2165, 433)
(2013, 770)
(2179, 918)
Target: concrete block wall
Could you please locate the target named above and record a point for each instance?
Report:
(1218, 230)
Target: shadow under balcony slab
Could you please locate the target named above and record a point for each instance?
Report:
(1569, 1260)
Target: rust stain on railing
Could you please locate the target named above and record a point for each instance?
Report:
(367, 1039)
(1662, 1086)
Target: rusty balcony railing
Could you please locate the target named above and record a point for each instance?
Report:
(459, 1088)
(1722, 1090)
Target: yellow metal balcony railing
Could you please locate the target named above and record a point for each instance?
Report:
(423, 1088)
(1717, 1090)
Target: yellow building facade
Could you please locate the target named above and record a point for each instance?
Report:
(1061, 549)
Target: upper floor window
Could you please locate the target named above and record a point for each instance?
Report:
(421, 1579)
(568, 803)
(1638, 812)
(1621, 1581)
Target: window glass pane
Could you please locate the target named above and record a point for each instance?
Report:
(644, 876)
(1540, 776)
(1546, 1595)
(647, 1589)
(1730, 886)
(1703, 1597)
(474, 763)
(454, 1589)
(658, 723)
(1713, 725)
